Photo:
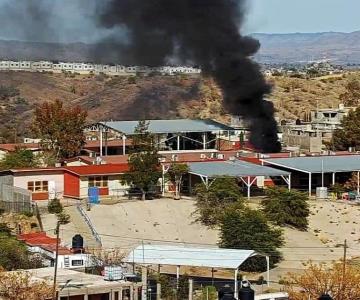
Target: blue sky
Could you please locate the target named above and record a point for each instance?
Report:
(286, 16)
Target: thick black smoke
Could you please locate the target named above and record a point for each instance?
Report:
(206, 33)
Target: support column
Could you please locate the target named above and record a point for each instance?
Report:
(236, 288)
(158, 291)
(101, 142)
(132, 293)
(120, 294)
(144, 283)
(191, 288)
(190, 188)
(248, 187)
(86, 297)
(204, 141)
(333, 178)
(136, 293)
(268, 271)
(358, 182)
(309, 185)
(177, 276)
(289, 183)
(178, 142)
(106, 143)
(124, 144)
(163, 181)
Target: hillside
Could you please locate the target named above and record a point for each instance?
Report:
(338, 47)
(121, 98)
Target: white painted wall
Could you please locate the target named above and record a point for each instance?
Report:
(21, 180)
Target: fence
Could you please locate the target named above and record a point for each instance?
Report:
(91, 226)
(13, 199)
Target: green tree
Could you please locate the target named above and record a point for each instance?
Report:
(14, 254)
(249, 229)
(349, 133)
(211, 202)
(284, 207)
(351, 97)
(20, 158)
(60, 128)
(176, 173)
(144, 166)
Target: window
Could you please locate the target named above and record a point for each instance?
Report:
(38, 186)
(98, 181)
(77, 262)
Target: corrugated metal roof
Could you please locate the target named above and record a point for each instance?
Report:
(315, 164)
(233, 169)
(189, 256)
(169, 126)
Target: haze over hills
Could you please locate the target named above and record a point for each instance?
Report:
(340, 48)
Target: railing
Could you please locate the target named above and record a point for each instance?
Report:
(91, 226)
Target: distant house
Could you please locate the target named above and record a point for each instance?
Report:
(42, 183)
(71, 182)
(78, 180)
(8, 148)
(44, 246)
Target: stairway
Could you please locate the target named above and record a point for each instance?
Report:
(82, 227)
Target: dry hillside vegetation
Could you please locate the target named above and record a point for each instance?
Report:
(124, 98)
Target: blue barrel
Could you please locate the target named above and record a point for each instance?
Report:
(93, 194)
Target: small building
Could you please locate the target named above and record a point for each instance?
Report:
(41, 183)
(8, 148)
(179, 134)
(44, 246)
(74, 285)
(311, 172)
(78, 180)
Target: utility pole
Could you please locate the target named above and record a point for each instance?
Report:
(56, 259)
(343, 271)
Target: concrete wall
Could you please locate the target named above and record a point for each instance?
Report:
(306, 143)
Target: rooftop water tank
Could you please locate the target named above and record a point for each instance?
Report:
(77, 242)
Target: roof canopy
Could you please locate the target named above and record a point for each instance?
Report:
(189, 256)
(168, 126)
(235, 168)
(317, 164)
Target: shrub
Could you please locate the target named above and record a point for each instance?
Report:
(63, 217)
(54, 206)
(284, 207)
(28, 214)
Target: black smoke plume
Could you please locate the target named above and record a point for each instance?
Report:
(205, 33)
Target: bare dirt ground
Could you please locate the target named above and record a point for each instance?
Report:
(127, 225)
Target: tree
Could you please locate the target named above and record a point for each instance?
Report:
(14, 254)
(249, 229)
(60, 128)
(176, 173)
(18, 285)
(352, 183)
(321, 279)
(349, 134)
(284, 207)
(211, 201)
(351, 97)
(144, 166)
(20, 158)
